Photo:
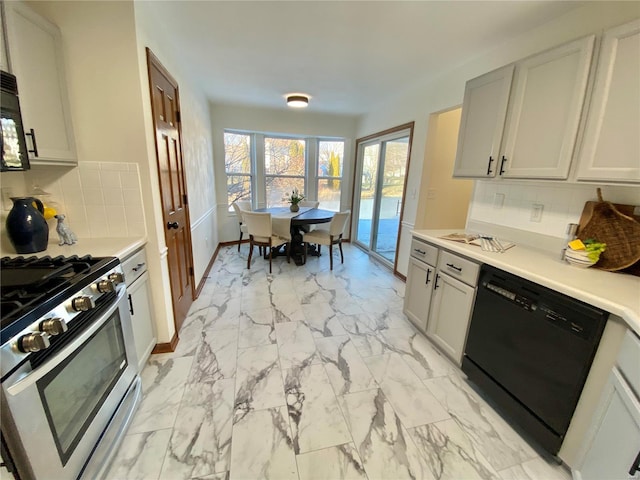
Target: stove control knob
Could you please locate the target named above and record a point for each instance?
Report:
(106, 286)
(33, 342)
(116, 277)
(53, 326)
(82, 304)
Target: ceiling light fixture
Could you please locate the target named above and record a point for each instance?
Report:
(297, 101)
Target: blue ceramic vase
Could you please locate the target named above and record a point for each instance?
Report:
(26, 227)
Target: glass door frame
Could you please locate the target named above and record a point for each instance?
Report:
(379, 138)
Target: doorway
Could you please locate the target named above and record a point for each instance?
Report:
(165, 106)
(382, 163)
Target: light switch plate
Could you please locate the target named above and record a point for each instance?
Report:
(536, 212)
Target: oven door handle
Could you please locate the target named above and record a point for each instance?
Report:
(32, 377)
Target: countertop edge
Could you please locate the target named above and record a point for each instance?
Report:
(548, 270)
(120, 247)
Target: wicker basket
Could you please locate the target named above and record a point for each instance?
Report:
(620, 232)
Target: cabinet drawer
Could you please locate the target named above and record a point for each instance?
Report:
(424, 251)
(134, 266)
(629, 360)
(458, 267)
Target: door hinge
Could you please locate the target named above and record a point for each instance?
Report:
(185, 200)
(178, 118)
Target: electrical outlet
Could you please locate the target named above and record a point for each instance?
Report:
(536, 212)
(7, 203)
(498, 201)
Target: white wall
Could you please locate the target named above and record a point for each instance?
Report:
(294, 122)
(447, 89)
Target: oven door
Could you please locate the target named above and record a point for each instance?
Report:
(61, 408)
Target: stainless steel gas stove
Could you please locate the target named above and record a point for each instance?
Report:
(68, 367)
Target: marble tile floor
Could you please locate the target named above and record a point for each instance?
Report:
(313, 374)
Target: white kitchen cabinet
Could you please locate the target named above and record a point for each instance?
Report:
(439, 299)
(137, 279)
(482, 124)
(544, 111)
(610, 148)
(418, 292)
(35, 50)
(451, 308)
(4, 60)
(614, 447)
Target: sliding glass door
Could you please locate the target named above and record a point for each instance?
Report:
(381, 169)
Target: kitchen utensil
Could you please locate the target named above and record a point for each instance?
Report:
(605, 223)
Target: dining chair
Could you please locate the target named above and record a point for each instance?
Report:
(262, 234)
(241, 223)
(329, 237)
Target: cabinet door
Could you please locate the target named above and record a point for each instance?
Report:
(143, 330)
(611, 149)
(483, 113)
(450, 315)
(544, 112)
(417, 297)
(4, 62)
(614, 446)
(35, 49)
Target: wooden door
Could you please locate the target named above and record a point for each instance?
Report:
(165, 107)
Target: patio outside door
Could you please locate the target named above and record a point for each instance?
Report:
(381, 167)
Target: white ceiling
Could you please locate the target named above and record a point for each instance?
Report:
(348, 55)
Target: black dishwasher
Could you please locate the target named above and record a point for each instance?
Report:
(529, 349)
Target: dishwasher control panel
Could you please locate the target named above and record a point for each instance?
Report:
(523, 302)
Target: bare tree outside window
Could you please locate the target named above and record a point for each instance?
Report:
(237, 163)
(284, 165)
(330, 164)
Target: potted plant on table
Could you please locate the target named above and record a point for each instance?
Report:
(294, 199)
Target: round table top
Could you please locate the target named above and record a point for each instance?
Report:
(306, 215)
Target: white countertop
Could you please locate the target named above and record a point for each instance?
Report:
(97, 247)
(617, 293)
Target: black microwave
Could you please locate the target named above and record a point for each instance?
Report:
(13, 145)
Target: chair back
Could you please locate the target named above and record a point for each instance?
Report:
(338, 222)
(238, 211)
(309, 203)
(258, 223)
(244, 205)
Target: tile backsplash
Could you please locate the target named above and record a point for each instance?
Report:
(543, 208)
(99, 199)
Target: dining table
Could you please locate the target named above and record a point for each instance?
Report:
(300, 221)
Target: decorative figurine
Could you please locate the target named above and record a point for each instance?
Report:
(67, 237)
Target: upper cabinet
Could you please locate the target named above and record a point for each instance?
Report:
(4, 61)
(547, 106)
(35, 55)
(611, 148)
(482, 124)
(544, 111)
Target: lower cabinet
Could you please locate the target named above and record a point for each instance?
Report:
(439, 299)
(418, 292)
(450, 314)
(137, 278)
(611, 447)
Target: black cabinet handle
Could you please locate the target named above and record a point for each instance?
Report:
(489, 165)
(451, 265)
(504, 159)
(636, 466)
(435, 285)
(130, 304)
(421, 252)
(32, 134)
(428, 273)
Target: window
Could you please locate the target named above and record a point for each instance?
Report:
(330, 162)
(237, 164)
(284, 168)
(265, 168)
